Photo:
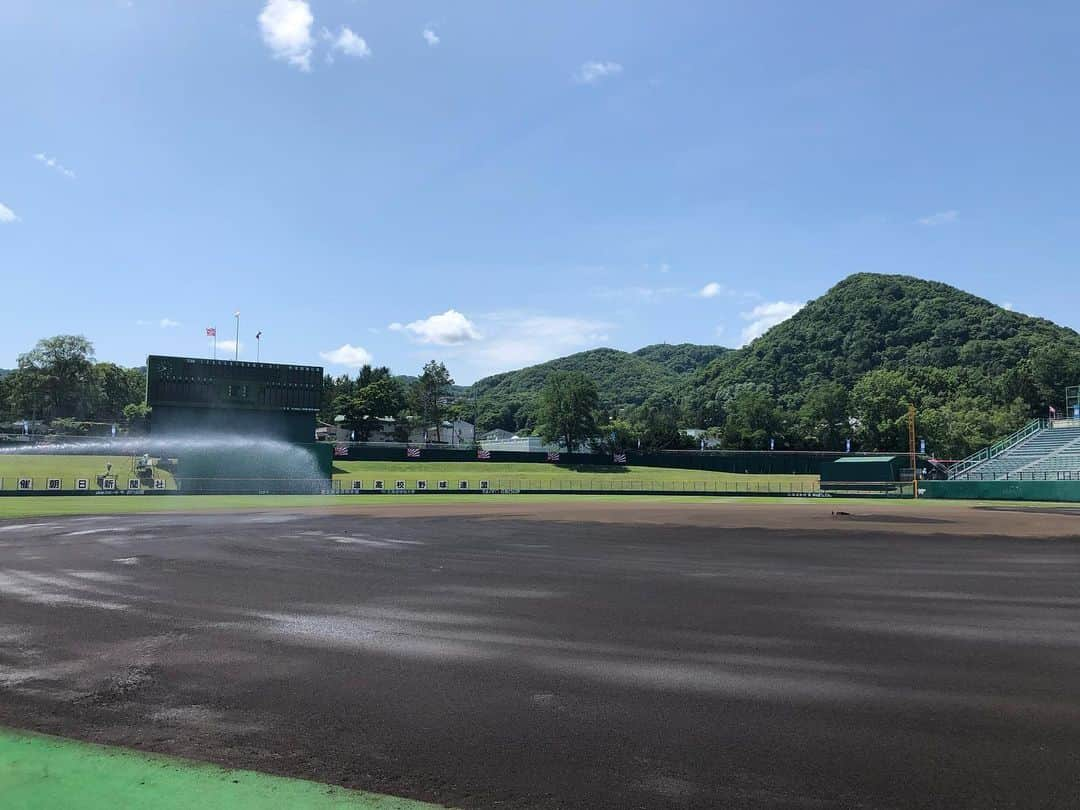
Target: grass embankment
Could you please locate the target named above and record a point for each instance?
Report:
(68, 468)
(552, 476)
(40, 773)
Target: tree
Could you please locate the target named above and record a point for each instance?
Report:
(657, 423)
(382, 398)
(429, 395)
(753, 420)
(880, 401)
(616, 435)
(824, 416)
(567, 409)
(115, 388)
(56, 376)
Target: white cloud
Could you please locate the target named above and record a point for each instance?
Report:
(347, 42)
(1008, 305)
(522, 339)
(348, 356)
(226, 347)
(286, 30)
(451, 328)
(940, 218)
(7, 215)
(713, 289)
(430, 37)
(764, 317)
(593, 72)
(164, 323)
(665, 267)
(53, 163)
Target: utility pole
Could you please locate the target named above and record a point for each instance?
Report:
(911, 450)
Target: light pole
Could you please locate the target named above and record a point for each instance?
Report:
(258, 345)
(236, 348)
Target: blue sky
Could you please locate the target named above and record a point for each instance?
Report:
(495, 184)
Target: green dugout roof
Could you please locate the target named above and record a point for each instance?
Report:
(862, 469)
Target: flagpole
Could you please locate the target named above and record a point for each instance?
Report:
(236, 348)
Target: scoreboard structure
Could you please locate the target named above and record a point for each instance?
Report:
(190, 395)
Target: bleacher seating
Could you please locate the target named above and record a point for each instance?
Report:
(1050, 453)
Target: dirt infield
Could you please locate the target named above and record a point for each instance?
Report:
(589, 654)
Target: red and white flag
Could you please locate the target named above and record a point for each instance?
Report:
(412, 452)
(483, 454)
(341, 450)
(619, 458)
(553, 456)
(211, 331)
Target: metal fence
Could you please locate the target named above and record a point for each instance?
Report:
(1050, 475)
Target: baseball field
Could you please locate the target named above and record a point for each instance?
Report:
(541, 653)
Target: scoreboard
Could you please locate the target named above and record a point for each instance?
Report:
(190, 382)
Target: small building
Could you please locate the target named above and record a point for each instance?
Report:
(456, 433)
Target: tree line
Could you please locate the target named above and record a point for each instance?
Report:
(60, 382)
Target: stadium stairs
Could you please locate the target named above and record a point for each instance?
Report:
(1044, 451)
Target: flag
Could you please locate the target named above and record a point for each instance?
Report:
(620, 458)
(341, 450)
(412, 452)
(211, 331)
(484, 455)
(258, 335)
(1053, 412)
(553, 456)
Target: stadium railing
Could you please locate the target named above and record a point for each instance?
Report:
(997, 448)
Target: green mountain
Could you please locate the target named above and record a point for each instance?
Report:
(506, 400)
(938, 335)
(846, 365)
(682, 358)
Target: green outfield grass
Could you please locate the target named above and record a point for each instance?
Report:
(68, 468)
(551, 476)
(43, 773)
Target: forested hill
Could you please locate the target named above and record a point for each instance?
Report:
(945, 340)
(622, 378)
(845, 366)
(874, 343)
(682, 358)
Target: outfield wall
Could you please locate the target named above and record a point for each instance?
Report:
(1068, 491)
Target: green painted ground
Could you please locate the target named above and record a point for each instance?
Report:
(550, 476)
(67, 468)
(48, 773)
